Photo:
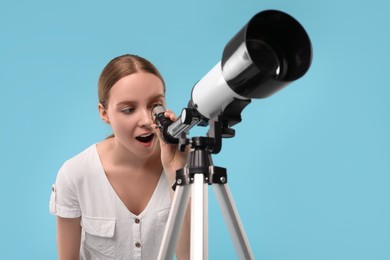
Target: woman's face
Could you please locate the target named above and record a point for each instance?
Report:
(128, 111)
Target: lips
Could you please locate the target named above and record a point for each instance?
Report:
(145, 138)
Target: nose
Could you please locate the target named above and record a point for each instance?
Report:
(145, 118)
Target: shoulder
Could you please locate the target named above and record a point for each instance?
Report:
(83, 157)
(81, 164)
(67, 198)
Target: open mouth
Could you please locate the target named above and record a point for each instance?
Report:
(145, 138)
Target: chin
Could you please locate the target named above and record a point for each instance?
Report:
(150, 149)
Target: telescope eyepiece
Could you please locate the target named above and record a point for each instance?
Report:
(158, 115)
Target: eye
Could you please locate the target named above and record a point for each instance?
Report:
(127, 110)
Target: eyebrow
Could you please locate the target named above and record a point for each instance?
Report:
(126, 102)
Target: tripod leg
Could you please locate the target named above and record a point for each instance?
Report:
(175, 222)
(233, 222)
(199, 216)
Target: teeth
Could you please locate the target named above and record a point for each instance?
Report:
(145, 138)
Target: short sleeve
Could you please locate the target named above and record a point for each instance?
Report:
(63, 199)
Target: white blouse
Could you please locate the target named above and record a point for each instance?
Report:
(109, 229)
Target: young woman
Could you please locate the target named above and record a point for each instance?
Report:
(112, 200)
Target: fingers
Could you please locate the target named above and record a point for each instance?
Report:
(169, 114)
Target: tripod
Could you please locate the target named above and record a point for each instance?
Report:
(197, 175)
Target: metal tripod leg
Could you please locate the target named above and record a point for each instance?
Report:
(233, 222)
(199, 217)
(174, 223)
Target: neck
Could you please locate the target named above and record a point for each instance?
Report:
(118, 156)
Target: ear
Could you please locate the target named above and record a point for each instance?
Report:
(103, 113)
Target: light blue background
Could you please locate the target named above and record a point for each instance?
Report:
(309, 167)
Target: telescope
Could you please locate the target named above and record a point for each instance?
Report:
(269, 52)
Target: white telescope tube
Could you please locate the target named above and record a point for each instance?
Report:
(212, 94)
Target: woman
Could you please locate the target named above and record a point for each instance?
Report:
(113, 199)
